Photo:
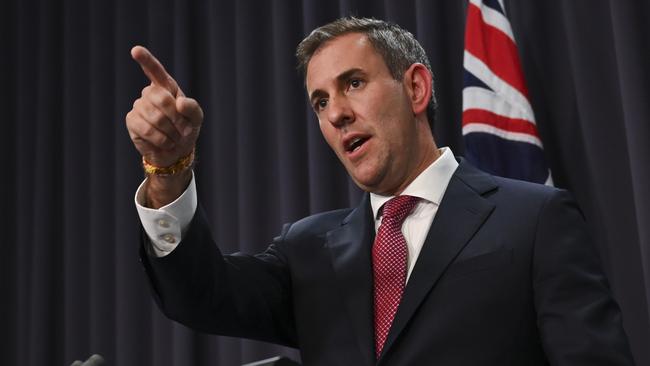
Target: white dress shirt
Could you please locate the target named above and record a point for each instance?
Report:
(166, 226)
(429, 186)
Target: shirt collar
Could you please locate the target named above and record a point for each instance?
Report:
(430, 185)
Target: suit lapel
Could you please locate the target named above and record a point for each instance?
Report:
(461, 213)
(350, 247)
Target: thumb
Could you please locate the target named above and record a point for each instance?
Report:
(190, 109)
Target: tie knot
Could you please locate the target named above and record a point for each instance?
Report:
(398, 208)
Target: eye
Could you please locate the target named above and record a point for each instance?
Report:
(355, 83)
(320, 104)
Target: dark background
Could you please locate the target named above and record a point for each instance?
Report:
(70, 279)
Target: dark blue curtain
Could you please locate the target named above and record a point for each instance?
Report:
(70, 280)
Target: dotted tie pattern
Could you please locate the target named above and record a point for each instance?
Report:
(389, 265)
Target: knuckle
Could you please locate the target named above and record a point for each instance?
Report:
(167, 101)
(155, 116)
(146, 90)
(161, 98)
(131, 120)
(148, 131)
(162, 140)
(137, 103)
(134, 137)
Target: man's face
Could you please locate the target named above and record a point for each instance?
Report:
(364, 114)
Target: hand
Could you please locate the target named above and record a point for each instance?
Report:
(163, 124)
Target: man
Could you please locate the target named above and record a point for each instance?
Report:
(440, 264)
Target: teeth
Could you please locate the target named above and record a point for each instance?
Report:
(355, 144)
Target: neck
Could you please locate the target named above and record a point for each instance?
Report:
(430, 153)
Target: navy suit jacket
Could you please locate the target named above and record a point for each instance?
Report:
(507, 276)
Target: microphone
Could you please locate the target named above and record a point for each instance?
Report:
(94, 360)
(274, 361)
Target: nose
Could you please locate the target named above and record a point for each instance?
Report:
(339, 111)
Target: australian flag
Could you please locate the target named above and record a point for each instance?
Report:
(499, 127)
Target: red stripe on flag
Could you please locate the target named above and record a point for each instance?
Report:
(494, 48)
(504, 123)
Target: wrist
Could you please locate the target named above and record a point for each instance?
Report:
(165, 184)
(161, 190)
(183, 163)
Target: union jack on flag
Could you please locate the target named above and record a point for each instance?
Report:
(499, 127)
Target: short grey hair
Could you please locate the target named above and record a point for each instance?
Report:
(397, 46)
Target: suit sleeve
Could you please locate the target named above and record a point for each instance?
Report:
(236, 295)
(579, 320)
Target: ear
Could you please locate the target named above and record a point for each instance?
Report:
(418, 82)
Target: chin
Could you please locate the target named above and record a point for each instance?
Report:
(368, 181)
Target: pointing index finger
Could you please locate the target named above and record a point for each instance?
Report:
(154, 70)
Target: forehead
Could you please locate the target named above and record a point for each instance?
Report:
(338, 55)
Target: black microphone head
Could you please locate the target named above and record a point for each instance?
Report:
(95, 360)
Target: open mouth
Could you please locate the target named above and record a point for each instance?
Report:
(355, 143)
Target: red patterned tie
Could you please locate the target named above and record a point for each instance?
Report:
(389, 255)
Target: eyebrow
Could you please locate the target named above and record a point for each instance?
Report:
(340, 78)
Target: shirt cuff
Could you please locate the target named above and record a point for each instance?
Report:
(166, 226)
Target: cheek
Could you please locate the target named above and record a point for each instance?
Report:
(383, 108)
